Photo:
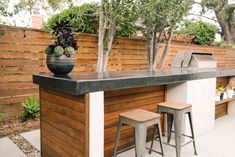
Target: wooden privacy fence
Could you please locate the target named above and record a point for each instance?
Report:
(21, 55)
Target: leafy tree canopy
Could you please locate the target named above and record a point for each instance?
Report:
(204, 32)
(225, 14)
(4, 11)
(157, 17)
(3, 8)
(81, 19)
(85, 18)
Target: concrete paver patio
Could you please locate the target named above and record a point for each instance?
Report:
(33, 137)
(9, 149)
(217, 143)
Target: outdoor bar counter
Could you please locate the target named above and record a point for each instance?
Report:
(79, 112)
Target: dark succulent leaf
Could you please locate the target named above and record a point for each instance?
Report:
(63, 33)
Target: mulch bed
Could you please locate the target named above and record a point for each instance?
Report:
(14, 125)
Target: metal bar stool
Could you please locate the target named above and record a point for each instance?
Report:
(140, 120)
(175, 112)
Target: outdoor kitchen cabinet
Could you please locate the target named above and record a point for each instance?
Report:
(79, 112)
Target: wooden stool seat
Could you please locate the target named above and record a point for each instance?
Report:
(175, 105)
(140, 115)
(140, 120)
(175, 115)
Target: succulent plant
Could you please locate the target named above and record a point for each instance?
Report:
(58, 51)
(64, 41)
(69, 51)
(49, 50)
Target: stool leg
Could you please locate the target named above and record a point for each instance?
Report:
(178, 120)
(170, 118)
(135, 145)
(153, 138)
(191, 126)
(117, 137)
(140, 136)
(159, 131)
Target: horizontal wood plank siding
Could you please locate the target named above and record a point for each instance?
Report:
(64, 124)
(221, 110)
(222, 81)
(119, 101)
(22, 54)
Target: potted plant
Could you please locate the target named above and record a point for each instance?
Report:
(229, 91)
(61, 54)
(222, 93)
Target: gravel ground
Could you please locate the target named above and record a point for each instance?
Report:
(14, 125)
(24, 145)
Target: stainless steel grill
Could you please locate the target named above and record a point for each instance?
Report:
(193, 60)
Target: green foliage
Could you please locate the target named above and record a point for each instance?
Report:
(204, 32)
(126, 29)
(31, 6)
(225, 15)
(85, 19)
(58, 51)
(57, 4)
(161, 15)
(49, 50)
(2, 117)
(123, 15)
(3, 7)
(127, 25)
(81, 19)
(31, 108)
(158, 17)
(4, 11)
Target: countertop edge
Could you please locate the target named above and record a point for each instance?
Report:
(87, 86)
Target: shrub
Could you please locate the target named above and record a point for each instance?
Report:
(2, 117)
(85, 19)
(204, 32)
(30, 108)
(81, 19)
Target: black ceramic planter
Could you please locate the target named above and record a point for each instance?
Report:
(60, 65)
(221, 96)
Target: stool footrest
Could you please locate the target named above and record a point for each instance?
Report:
(183, 135)
(154, 151)
(181, 145)
(125, 149)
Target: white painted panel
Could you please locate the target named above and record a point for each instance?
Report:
(201, 94)
(96, 124)
(202, 97)
(231, 107)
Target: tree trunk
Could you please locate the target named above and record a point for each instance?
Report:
(148, 47)
(224, 24)
(110, 42)
(157, 49)
(163, 57)
(101, 38)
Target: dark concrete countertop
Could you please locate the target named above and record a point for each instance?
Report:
(86, 82)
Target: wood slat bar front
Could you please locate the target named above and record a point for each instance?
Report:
(64, 124)
(119, 101)
(65, 119)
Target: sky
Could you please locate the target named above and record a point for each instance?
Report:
(23, 20)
